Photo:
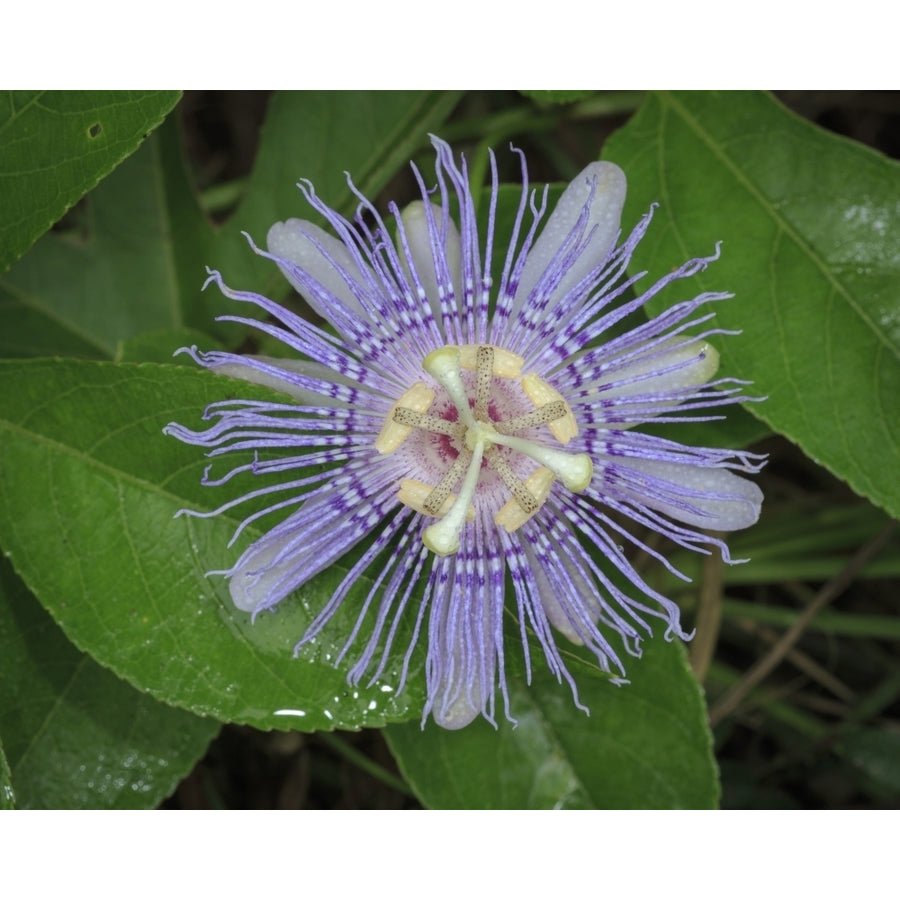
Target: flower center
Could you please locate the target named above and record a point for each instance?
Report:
(480, 440)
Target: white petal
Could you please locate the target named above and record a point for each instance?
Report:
(460, 698)
(460, 713)
(294, 240)
(461, 669)
(740, 509)
(605, 215)
(254, 577)
(692, 362)
(418, 236)
(553, 608)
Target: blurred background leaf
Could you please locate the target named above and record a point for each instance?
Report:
(115, 271)
(322, 136)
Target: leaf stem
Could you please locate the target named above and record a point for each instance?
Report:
(351, 754)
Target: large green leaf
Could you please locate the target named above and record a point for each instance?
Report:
(56, 145)
(645, 745)
(88, 490)
(808, 223)
(77, 736)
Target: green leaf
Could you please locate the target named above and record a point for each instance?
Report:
(645, 745)
(134, 259)
(808, 223)
(77, 736)
(89, 487)
(56, 145)
(121, 272)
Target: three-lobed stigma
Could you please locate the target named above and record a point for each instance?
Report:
(479, 440)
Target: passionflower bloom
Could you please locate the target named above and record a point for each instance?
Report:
(470, 436)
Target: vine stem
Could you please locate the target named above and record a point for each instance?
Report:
(732, 698)
(351, 754)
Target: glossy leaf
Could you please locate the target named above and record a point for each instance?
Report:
(56, 145)
(808, 223)
(644, 745)
(89, 487)
(77, 736)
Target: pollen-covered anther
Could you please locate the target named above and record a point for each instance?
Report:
(506, 364)
(512, 515)
(549, 412)
(540, 394)
(414, 493)
(425, 422)
(393, 433)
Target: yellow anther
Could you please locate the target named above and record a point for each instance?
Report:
(512, 516)
(414, 494)
(418, 398)
(506, 363)
(540, 393)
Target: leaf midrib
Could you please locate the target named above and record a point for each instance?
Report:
(56, 447)
(737, 173)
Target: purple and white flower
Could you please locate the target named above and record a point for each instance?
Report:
(476, 436)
